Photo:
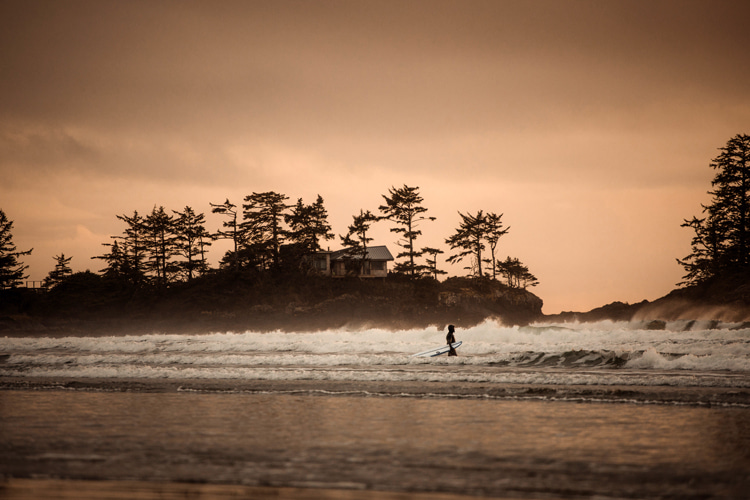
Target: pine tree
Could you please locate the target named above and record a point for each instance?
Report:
(432, 262)
(516, 274)
(494, 230)
(404, 207)
(469, 239)
(191, 240)
(356, 241)
(721, 245)
(11, 270)
(308, 224)
(232, 231)
(118, 263)
(161, 245)
(61, 271)
(133, 247)
(262, 218)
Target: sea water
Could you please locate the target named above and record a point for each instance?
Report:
(607, 353)
(314, 410)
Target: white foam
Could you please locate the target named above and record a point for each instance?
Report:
(490, 352)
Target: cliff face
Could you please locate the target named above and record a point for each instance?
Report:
(508, 305)
(400, 305)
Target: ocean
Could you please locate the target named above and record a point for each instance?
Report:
(609, 409)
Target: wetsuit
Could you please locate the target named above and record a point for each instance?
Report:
(450, 338)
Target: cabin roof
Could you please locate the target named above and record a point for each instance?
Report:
(373, 253)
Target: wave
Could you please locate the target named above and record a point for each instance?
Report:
(588, 353)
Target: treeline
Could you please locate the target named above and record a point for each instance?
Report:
(269, 235)
(721, 241)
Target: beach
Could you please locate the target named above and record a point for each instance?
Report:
(369, 440)
(518, 414)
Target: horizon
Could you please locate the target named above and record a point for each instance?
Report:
(590, 126)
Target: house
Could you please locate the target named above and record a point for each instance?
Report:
(374, 264)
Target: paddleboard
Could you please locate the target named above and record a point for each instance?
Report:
(437, 351)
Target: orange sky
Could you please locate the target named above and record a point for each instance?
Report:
(589, 124)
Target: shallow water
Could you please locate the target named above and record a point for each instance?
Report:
(475, 447)
(685, 354)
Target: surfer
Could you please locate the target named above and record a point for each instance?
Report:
(451, 338)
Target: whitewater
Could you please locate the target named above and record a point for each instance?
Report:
(681, 354)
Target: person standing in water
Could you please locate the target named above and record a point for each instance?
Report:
(451, 338)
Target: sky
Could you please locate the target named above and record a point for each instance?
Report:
(589, 124)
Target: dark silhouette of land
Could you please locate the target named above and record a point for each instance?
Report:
(721, 299)
(88, 304)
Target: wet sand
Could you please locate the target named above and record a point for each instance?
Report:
(60, 489)
(696, 396)
(147, 439)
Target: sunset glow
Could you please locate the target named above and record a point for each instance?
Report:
(590, 125)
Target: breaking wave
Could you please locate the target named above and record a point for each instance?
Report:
(678, 353)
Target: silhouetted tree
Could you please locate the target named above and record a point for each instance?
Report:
(721, 244)
(161, 245)
(308, 224)
(125, 259)
(494, 230)
(118, 263)
(61, 271)
(469, 239)
(356, 241)
(404, 207)
(705, 261)
(11, 269)
(432, 262)
(191, 242)
(262, 218)
(232, 231)
(516, 274)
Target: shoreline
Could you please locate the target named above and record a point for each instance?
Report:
(631, 394)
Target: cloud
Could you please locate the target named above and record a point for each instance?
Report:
(589, 124)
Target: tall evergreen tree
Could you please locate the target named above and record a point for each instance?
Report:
(494, 230)
(721, 245)
(469, 239)
(308, 224)
(162, 245)
(232, 229)
(61, 271)
(133, 245)
(262, 223)
(11, 269)
(118, 263)
(404, 207)
(356, 240)
(191, 242)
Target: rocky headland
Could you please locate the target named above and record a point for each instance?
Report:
(88, 305)
(720, 300)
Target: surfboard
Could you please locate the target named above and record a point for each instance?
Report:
(437, 351)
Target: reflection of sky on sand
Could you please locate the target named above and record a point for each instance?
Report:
(479, 447)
